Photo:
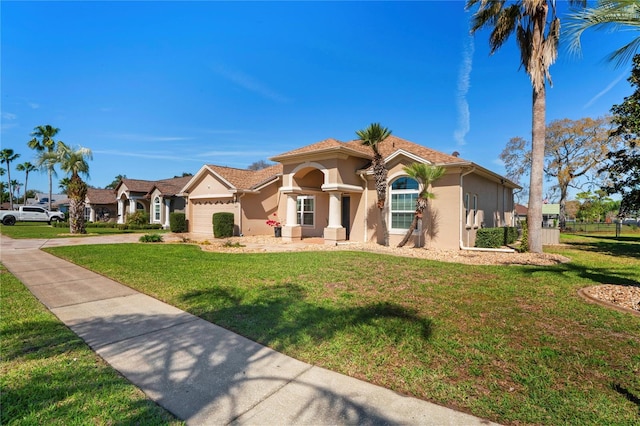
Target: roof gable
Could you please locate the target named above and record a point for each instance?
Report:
(391, 146)
(237, 179)
(327, 146)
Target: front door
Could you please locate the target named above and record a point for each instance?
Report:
(346, 214)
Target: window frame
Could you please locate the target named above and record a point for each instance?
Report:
(475, 210)
(300, 210)
(407, 191)
(157, 209)
(467, 210)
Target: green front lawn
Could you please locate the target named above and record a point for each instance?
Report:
(48, 375)
(514, 344)
(43, 230)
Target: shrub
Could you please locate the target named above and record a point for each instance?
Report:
(524, 242)
(510, 234)
(223, 225)
(489, 237)
(178, 222)
(232, 245)
(138, 218)
(151, 238)
(496, 237)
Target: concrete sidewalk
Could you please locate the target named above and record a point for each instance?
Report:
(200, 372)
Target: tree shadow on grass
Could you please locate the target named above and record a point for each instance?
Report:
(282, 315)
(598, 275)
(627, 394)
(620, 247)
(58, 386)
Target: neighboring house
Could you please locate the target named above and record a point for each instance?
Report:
(158, 198)
(100, 205)
(327, 190)
(521, 212)
(550, 215)
(58, 201)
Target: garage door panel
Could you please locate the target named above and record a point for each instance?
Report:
(202, 213)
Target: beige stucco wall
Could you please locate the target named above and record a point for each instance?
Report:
(208, 184)
(258, 208)
(495, 205)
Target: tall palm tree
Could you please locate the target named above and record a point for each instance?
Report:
(537, 31)
(7, 156)
(42, 143)
(15, 188)
(74, 162)
(372, 137)
(27, 168)
(608, 13)
(425, 174)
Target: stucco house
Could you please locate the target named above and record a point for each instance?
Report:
(327, 190)
(157, 198)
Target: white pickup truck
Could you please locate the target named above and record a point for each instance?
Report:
(29, 214)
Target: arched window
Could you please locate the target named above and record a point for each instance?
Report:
(156, 209)
(404, 193)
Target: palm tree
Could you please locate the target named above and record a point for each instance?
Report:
(537, 31)
(425, 174)
(7, 156)
(608, 13)
(63, 184)
(74, 162)
(42, 143)
(372, 137)
(27, 168)
(15, 188)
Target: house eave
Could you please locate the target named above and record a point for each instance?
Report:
(339, 152)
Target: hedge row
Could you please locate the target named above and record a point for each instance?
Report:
(121, 226)
(496, 237)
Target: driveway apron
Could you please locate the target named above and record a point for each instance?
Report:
(200, 372)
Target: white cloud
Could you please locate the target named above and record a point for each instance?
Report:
(9, 116)
(33, 105)
(605, 90)
(464, 82)
(249, 83)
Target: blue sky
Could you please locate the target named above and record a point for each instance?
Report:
(156, 89)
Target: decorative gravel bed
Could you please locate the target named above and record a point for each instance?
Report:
(627, 297)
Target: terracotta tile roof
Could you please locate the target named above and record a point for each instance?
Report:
(243, 179)
(521, 210)
(261, 176)
(394, 143)
(388, 147)
(327, 145)
(101, 196)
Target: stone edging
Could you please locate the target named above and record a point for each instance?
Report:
(582, 293)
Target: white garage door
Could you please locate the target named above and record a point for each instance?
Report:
(202, 215)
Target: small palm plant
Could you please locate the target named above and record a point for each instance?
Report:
(425, 174)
